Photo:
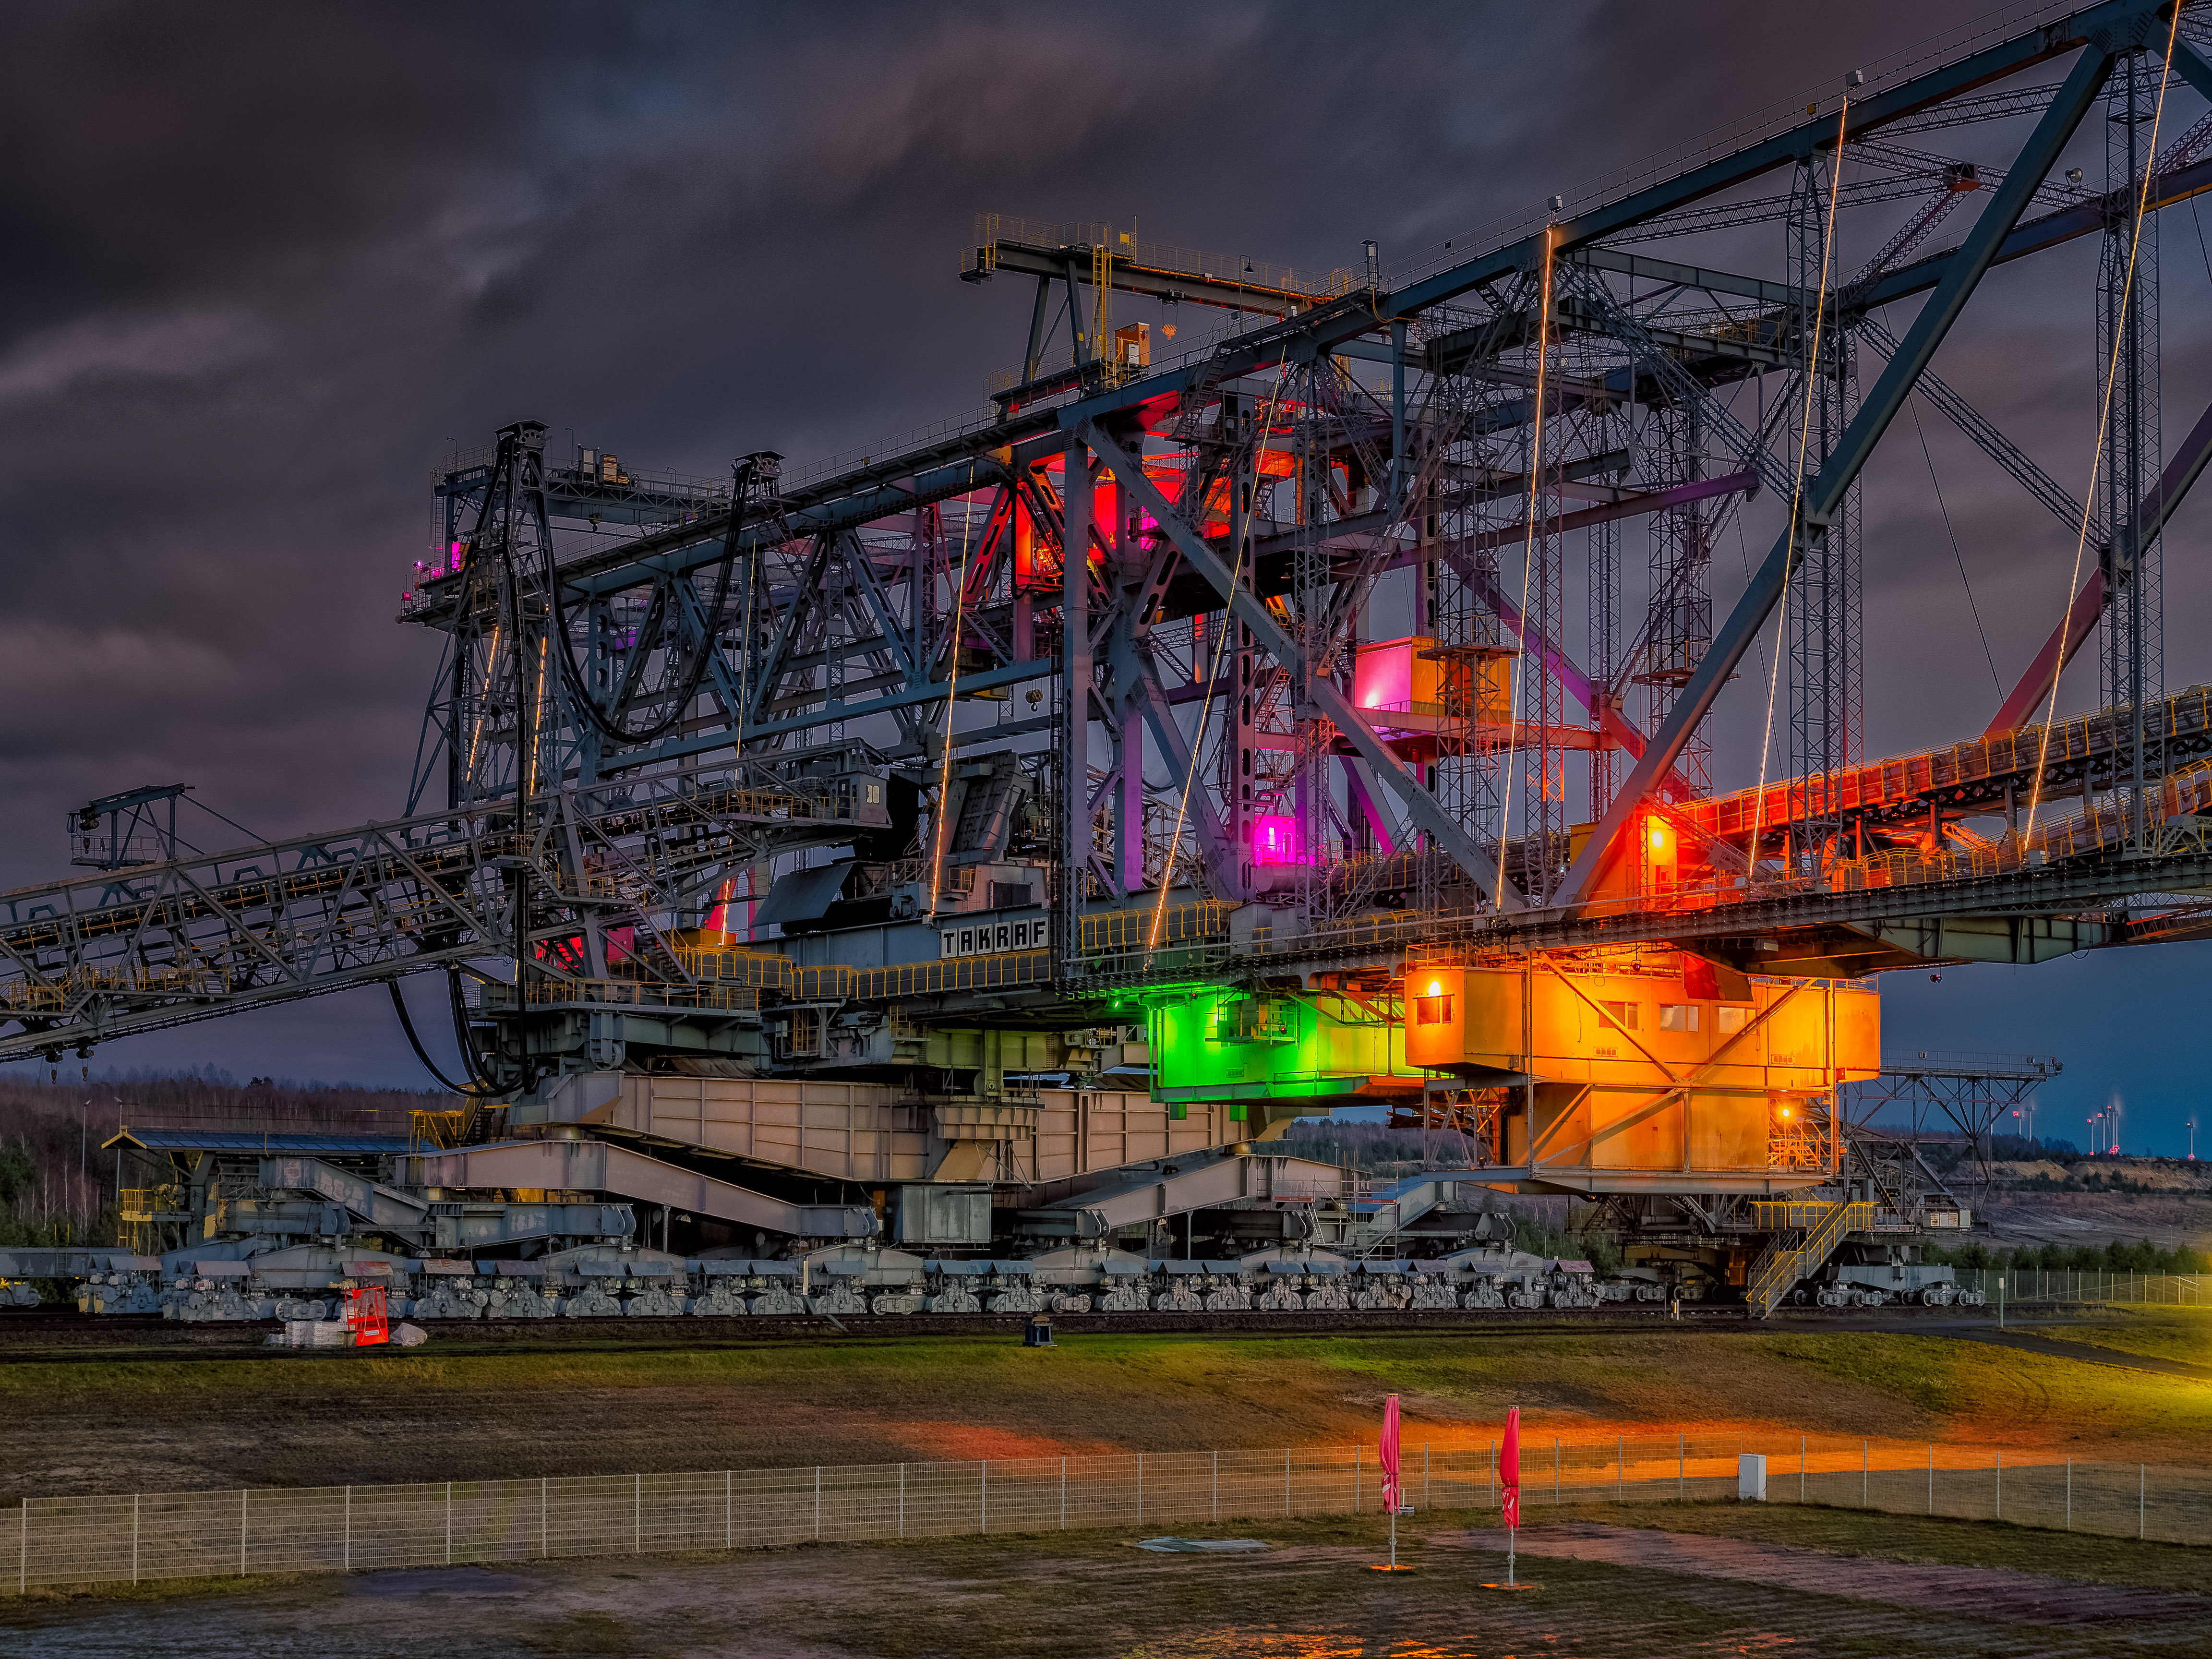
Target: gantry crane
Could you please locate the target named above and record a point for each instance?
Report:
(1053, 760)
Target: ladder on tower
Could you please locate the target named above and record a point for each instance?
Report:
(1780, 1267)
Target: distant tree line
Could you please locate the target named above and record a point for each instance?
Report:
(2140, 1257)
(1363, 1146)
(57, 1187)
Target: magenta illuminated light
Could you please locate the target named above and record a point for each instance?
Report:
(1275, 839)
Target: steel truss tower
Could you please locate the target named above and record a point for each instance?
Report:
(2132, 660)
(1602, 584)
(1679, 624)
(1822, 633)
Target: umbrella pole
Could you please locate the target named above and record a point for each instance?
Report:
(1509, 1558)
(1394, 1535)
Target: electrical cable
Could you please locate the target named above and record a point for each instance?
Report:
(695, 673)
(1797, 500)
(1955, 554)
(413, 1041)
(464, 1040)
(2104, 426)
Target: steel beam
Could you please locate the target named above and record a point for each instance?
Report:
(2033, 688)
(1423, 807)
(599, 1166)
(1824, 492)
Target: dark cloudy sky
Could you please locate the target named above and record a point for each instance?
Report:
(268, 263)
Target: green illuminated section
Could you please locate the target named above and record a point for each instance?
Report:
(1213, 1045)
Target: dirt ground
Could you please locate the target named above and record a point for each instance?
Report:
(2168, 1219)
(1613, 1584)
(73, 1422)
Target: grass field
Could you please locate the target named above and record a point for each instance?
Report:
(2184, 1334)
(80, 1424)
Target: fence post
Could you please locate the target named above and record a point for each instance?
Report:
(1681, 1467)
(1424, 1474)
(241, 1533)
(2143, 1486)
(23, 1547)
(1063, 1490)
(347, 1558)
(1931, 1480)
(1619, 1467)
(1865, 1461)
(1217, 1485)
(727, 1533)
(1141, 1488)
(1355, 1477)
(1555, 1471)
(637, 1513)
(983, 1498)
(1801, 1468)
(2070, 1494)
(1999, 1515)
(449, 1526)
(134, 1529)
(1286, 1480)
(1063, 1496)
(817, 1502)
(1494, 1475)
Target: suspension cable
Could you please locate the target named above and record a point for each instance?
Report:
(1958, 557)
(1797, 500)
(2104, 426)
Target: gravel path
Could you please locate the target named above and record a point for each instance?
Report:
(1998, 1593)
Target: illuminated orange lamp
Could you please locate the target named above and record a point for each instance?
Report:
(1648, 860)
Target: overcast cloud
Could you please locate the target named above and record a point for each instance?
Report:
(270, 263)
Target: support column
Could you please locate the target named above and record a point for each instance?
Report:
(1076, 670)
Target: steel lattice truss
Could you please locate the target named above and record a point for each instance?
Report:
(1159, 578)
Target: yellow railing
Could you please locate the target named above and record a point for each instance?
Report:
(1782, 1267)
(1906, 777)
(1131, 930)
(763, 970)
(636, 993)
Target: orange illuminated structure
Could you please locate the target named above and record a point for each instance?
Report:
(366, 1324)
(1664, 1067)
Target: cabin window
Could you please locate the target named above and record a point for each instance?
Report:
(1730, 1020)
(1678, 1017)
(1622, 1014)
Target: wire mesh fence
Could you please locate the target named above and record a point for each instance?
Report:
(2067, 1287)
(55, 1541)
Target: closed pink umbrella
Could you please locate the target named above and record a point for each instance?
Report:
(1388, 1449)
(1509, 1483)
(1393, 1492)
